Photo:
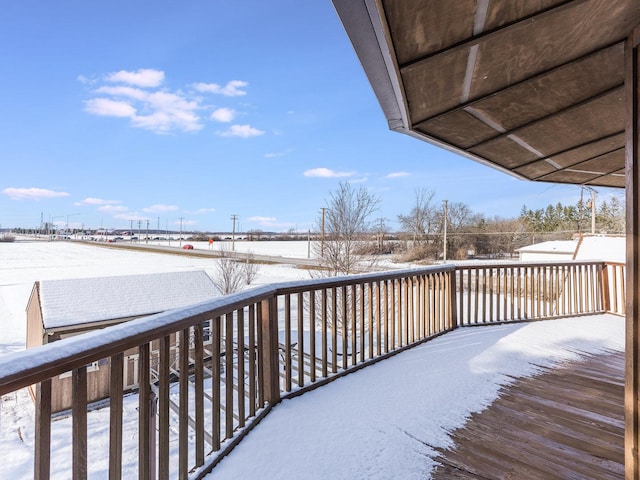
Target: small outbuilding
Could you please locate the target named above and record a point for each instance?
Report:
(62, 308)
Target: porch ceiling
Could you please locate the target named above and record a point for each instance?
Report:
(534, 87)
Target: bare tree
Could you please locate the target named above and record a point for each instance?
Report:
(249, 269)
(229, 273)
(420, 221)
(347, 231)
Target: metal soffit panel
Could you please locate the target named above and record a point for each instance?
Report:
(532, 87)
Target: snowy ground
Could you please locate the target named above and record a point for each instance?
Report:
(379, 423)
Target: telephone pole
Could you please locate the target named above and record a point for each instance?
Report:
(593, 211)
(381, 235)
(324, 209)
(180, 244)
(234, 217)
(444, 240)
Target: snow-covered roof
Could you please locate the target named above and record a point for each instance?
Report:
(607, 248)
(553, 246)
(77, 301)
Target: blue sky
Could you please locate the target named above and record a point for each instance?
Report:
(113, 112)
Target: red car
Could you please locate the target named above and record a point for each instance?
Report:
(187, 247)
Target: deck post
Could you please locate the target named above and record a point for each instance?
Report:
(269, 347)
(632, 162)
(605, 293)
(453, 299)
(42, 455)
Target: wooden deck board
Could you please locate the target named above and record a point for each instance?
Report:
(565, 423)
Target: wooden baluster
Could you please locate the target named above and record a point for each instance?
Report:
(378, 318)
(241, 356)
(346, 322)
(334, 330)
(228, 370)
(144, 412)
(251, 359)
(287, 342)
(354, 323)
(312, 336)
(361, 317)
(325, 332)
(163, 407)
(370, 317)
(198, 357)
(79, 423)
(183, 415)
(300, 345)
(116, 379)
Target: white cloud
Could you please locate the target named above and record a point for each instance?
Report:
(135, 95)
(231, 89)
(144, 77)
(397, 175)
(244, 131)
(326, 173)
(109, 108)
(112, 209)
(167, 111)
(32, 193)
(121, 91)
(224, 115)
(96, 201)
(159, 208)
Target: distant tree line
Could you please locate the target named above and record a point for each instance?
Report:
(471, 234)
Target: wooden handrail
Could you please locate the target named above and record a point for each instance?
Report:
(281, 340)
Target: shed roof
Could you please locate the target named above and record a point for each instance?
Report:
(78, 301)
(551, 246)
(533, 88)
(602, 247)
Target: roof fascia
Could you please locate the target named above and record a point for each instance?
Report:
(362, 21)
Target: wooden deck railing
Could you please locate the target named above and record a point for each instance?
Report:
(515, 292)
(210, 372)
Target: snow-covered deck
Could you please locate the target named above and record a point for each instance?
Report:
(392, 420)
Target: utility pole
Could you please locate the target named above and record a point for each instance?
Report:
(593, 211)
(444, 240)
(180, 244)
(146, 240)
(381, 235)
(592, 204)
(324, 209)
(234, 217)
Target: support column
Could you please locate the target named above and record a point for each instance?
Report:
(632, 367)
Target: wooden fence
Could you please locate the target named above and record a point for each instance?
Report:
(210, 372)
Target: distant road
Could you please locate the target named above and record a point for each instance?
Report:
(198, 252)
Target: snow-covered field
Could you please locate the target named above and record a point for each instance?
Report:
(24, 263)
(379, 423)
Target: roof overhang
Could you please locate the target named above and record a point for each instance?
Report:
(533, 88)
